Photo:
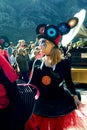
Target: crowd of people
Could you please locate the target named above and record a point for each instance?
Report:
(44, 65)
(19, 57)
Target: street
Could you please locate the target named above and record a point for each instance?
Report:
(83, 92)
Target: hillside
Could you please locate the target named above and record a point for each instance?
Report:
(18, 19)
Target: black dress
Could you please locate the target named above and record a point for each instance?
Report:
(55, 108)
(53, 94)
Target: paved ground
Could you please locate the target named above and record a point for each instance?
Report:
(83, 91)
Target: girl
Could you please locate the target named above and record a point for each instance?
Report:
(58, 106)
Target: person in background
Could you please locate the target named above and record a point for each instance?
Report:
(21, 43)
(22, 65)
(31, 43)
(36, 42)
(27, 54)
(3, 51)
(13, 59)
(58, 106)
(10, 48)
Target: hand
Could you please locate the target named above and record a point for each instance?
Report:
(77, 101)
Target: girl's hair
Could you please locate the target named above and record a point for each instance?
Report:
(55, 56)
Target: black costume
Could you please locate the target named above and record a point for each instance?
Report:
(56, 102)
(54, 91)
(58, 106)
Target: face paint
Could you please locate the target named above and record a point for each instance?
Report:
(42, 42)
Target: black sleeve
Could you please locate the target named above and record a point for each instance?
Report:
(68, 77)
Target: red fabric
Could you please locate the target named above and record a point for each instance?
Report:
(4, 101)
(4, 53)
(8, 69)
(76, 120)
(57, 40)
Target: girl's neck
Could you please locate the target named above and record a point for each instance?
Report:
(47, 61)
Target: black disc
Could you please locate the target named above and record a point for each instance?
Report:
(51, 32)
(64, 28)
(73, 22)
(40, 29)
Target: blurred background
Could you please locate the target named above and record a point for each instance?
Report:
(19, 18)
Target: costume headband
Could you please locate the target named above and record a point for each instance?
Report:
(54, 33)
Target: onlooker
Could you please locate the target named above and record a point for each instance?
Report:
(21, 44)
(10, 48)
(27, 54)
(22, 64)
(13, 59)
(3, 51)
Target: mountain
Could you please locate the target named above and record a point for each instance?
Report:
(18, 19)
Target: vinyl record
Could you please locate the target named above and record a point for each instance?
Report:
(40, 29)
(64, 28)
(73, 22)
(66, 39)
(51, 32)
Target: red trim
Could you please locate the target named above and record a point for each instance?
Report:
(57, 40)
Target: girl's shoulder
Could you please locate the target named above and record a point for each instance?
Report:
(64, 64)
(65, 61)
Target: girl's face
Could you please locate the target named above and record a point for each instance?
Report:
(45, 46)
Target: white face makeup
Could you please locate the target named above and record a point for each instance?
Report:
(42, 43)
(45, 46)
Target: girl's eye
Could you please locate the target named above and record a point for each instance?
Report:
(42, 42)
